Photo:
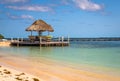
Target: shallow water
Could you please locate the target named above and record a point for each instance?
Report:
(96, 53)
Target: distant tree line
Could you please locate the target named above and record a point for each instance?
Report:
(1, 36)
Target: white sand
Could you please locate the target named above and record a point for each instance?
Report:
(8, 74)
(5, 43)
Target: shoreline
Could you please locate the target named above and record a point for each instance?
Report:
(50, 71)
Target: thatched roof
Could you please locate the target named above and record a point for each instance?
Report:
(40, 25)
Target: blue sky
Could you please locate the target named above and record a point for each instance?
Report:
(76, 18)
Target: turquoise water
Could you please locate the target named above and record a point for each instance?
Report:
(95, 53)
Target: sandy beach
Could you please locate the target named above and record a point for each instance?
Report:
(8, 74)
(49, 71)
(5, 43)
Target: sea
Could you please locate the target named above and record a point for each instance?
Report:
(99, 54)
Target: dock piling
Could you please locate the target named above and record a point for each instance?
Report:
(62, 40)
(18, 41)
(40, 41)
(11, 39)
(21, 39)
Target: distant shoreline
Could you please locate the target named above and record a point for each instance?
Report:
(96, 39)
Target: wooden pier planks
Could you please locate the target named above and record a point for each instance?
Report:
(46, 44)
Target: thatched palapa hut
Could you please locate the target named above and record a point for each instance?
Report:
(40, 40)
(39, 26)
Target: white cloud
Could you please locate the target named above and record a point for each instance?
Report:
(87, 5)
(12, 1)
(20, 17)
(27, 17)
(31, 8)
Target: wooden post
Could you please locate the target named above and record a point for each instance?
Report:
(11, 39)
(18, 41)
(68, 39)
(21, 39)
(40, 41)
(39, 33)
(58, 39)
(31, 33)
(62, 40)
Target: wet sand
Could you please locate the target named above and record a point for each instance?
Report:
(52, 71)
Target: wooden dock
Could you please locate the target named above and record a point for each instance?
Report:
(42, 44)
